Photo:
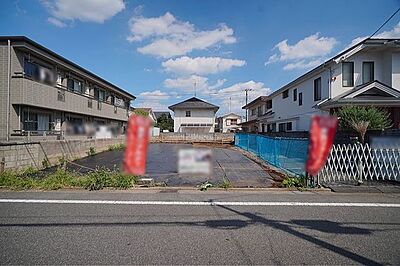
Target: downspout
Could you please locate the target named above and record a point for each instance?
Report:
(8, 88)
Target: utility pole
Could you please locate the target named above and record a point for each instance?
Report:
(230, 100)
(194, 85)
(246, 91)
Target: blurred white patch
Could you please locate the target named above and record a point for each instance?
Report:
(195, 161)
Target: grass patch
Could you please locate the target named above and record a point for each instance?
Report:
(116, 147)
(61, 178)
(225, 184)
(295, 182)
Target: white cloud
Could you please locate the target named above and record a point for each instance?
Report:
(192, 83)
(305, 53)
(84, 10)
(171, 37)
(56, 22)
(201, 65)
(355, 41)
(304, 64)
(157, 94)
(233, 97)
(391, 34)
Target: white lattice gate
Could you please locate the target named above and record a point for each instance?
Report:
(351, 162)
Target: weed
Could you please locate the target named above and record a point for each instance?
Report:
(46, 163)
(226, 183)
(116, 147)
(91, 152)
(29, 172)
(297, 182)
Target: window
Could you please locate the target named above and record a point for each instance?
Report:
(29, 121)
(300, 99)
(282, 127)
(228, 122)
(295, 95)
(317, 89)
(90, 103)
(269, 104)
(259, 111)
(253, 111)
(289, 126)
(347, 74)
(188, 114)
(112, 99)
(285, 94)
(31, 70)
(271, 127)
(74, 85)
(368, 72)
(233, 121)
(99, 94)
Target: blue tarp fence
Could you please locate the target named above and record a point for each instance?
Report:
(289, 154)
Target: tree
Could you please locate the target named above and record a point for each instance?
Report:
(165, 122)
(361, 119)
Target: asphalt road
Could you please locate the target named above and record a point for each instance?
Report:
(186, 232)
(162, 161)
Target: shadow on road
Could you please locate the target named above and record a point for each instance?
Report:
(251, 219)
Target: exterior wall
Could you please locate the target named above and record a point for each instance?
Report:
(225, 127)
(396, 71)
(198, 116)
(29, 92)
(255, 106)
(288, 110)
(3, 89)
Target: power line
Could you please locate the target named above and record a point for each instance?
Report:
(385, 23)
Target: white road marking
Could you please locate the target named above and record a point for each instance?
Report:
(205, 203)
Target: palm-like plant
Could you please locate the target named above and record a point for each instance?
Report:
(361, 119)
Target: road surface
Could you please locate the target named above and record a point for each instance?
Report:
(192, 227)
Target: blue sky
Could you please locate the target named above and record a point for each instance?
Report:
(161, 50)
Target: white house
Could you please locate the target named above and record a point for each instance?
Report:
(366, 74)
(194, 116)
(229, 122)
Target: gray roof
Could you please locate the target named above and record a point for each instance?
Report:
(377, 93)
(193, 103)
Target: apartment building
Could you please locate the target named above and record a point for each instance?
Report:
(367, 74)
(229, 123)
(41, 91)
(254, 110)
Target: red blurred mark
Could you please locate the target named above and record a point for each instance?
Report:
(137, 140)
(322, 135)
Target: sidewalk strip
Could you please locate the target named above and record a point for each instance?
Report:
(205, 203)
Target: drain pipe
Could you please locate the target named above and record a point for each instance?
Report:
(8, 88)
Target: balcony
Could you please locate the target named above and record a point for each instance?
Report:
(28, 92)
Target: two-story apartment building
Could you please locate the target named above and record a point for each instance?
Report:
(254, 111)
(40, 90)
(366, 74)
(194, 116)
(229, 123)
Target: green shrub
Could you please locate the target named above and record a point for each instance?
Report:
(91, 152)
(120, 180)
(116, 147)
(298, 182)
(226, 183)
(29, 172)
(97, 179)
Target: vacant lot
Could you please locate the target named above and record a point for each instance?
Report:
(162, 166)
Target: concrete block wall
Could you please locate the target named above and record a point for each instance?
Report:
(194, 137)
(22, 155)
